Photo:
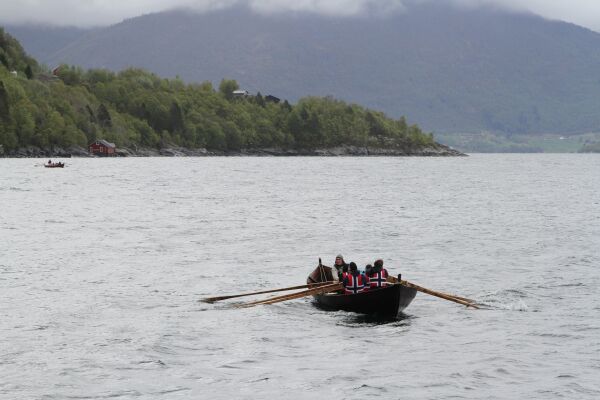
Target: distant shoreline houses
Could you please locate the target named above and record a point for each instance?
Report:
(241, 93)
(102, 148)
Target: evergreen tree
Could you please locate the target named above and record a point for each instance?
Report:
(4, 104)
(3, 59)
(260, 100)
(104, 116)
(28, 72)
(176, 118)
(286, 106)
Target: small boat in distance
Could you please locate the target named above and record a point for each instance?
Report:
(383, 302)
(50, 164)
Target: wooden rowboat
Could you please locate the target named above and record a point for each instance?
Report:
(384, 302)
(55, 165)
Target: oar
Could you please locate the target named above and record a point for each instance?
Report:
(219, 298)
(322, 289)
(393, 279)
(463, 301)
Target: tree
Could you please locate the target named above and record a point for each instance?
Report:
(4, 103)
(71, 76)
(227, 87)
(176, 117)
(260, 100)
(215, 137)
(24, 122)
(286, 106)
(3, 59)
(104, 116)
(28, 72)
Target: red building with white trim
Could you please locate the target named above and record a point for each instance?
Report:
(103, 148)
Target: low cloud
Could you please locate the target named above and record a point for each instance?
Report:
(87, 13)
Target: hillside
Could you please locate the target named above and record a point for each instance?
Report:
(450, 70)
(42, 42)
(137, 108)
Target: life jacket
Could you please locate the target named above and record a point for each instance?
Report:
(378, 279)
(355, 284)
(341, 271)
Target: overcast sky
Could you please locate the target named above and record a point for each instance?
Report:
(104, 12)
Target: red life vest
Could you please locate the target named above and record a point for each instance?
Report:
(378, 279)
(355, 284)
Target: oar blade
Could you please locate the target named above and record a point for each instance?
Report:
(456, 299)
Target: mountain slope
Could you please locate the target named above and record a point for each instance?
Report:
(134, 107)
(42, 42)
(448, 69)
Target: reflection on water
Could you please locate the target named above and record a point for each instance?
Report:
(401, 320)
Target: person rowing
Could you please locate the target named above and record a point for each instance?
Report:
(377, 275)
(341, 268)
(355, 281)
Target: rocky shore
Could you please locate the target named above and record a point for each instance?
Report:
(437, 150)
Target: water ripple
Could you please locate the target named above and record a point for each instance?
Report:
(99, 291)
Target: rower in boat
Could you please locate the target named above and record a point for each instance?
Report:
(387, 301)
(340, 268)
(377, 275)
(355, 281)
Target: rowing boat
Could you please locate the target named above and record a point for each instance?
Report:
(386, 302)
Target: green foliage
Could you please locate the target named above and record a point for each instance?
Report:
(13, 57)
(590, 148)
(28, 72)
(227, 87)
(4, 103)
(70, 75)
(135, 107)
(104, 116)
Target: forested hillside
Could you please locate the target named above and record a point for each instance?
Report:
(135, 107)
(449, 69)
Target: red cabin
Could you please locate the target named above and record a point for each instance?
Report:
(103, 148)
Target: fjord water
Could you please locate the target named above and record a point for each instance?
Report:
(102, 264)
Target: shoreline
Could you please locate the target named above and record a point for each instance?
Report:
(173, 151)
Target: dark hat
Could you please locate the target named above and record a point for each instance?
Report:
(353, 266)
(378, 263)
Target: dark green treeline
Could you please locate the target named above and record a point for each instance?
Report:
(135, 107)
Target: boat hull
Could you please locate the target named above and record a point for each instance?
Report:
(385, 302)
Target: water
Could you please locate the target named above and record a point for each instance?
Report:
(102, 264)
